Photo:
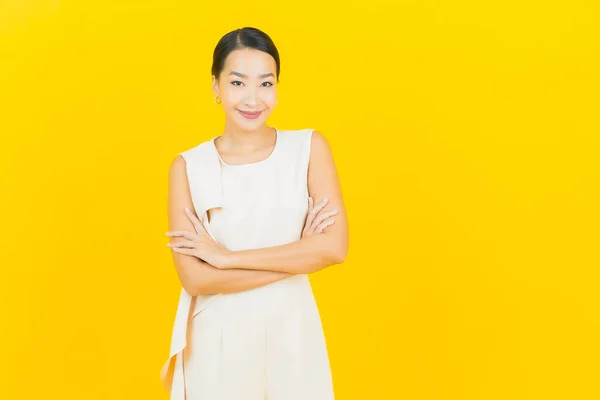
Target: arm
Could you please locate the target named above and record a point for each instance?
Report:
(313, 253)
(196, 276)
(211, 280)
(237, 280)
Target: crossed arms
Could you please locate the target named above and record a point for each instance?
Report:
(247, 269)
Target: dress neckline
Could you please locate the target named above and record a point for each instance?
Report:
(277, 140)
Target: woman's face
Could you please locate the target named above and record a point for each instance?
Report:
(248, 82)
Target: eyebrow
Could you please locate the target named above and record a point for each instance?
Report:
(245, 76)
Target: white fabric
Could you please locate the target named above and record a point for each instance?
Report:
(266, 343)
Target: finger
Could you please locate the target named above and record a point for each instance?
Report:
(185, 234)
(194, 219)
(182, 243)
(309, 215)
(182, 250)
(313, 212)
(321, 217)
(324, 225)
(321, 205)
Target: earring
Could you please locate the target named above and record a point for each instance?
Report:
(217, 97)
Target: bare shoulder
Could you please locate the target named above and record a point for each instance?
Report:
(319, 143)
(179, 193)
(177, 170)
(321, 156)
(178, 163)
(322, 174)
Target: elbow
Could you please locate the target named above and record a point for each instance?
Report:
(191, 285)
(190, 289)
(207, 281)
(341, 257)
(337, 249)
(331, 257)
(200, 286)
(338, 255)
(204, 288)
(342, 251)
(193, 281)
(189, 282)
(195, 288)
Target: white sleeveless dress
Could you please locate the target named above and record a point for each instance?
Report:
(265, 343)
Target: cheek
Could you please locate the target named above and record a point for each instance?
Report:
(270, 98)
(232, 97)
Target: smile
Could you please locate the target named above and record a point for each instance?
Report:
(250, 115)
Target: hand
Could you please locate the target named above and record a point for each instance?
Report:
(315, 222)
(200, 244)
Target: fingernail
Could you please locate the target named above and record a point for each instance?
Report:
(325, 200)
(187, 209)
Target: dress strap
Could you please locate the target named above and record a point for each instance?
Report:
(204, 176)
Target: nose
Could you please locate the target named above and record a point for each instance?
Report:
(251, 97)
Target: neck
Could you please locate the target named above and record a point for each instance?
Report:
(236, 139)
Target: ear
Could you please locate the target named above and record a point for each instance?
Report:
(215, 86)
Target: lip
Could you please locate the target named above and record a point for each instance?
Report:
(250, 115)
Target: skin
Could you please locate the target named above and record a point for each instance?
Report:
(206, 267)
(246, 140)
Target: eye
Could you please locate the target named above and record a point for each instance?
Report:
(234, 83)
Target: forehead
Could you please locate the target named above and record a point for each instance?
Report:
(250, 62)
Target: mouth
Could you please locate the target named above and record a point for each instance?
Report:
(250, 114)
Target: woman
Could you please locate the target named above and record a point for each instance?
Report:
(247, 325)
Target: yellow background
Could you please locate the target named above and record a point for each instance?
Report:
(466, 138)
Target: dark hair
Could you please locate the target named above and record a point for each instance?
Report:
(246, 37)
